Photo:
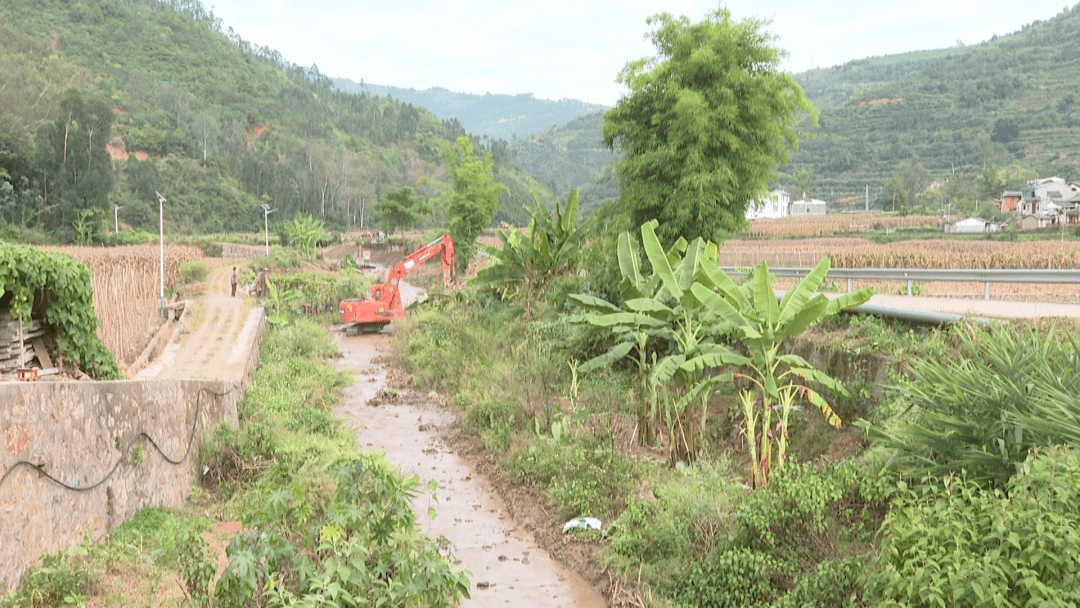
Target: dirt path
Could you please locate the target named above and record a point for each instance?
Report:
(509, 568)
(209, 343)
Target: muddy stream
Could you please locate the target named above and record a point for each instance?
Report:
(508, 567)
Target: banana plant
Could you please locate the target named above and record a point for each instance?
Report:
(526, 263)
(661, 306)
(280, 303)
(755, 316)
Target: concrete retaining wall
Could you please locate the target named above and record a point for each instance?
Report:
(75, 432)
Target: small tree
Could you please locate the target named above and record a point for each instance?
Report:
(663, 306)
(304, 232)
(400, 209)
(705, 123)
(473, 198)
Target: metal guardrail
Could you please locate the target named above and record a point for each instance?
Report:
(1070, 276)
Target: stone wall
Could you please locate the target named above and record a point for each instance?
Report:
(97, 439)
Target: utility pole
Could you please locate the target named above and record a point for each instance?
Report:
(266, 225)
(868, 197)
(116, 219)
(161, 241)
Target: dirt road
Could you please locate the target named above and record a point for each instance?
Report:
(211, 338)
(509, 568)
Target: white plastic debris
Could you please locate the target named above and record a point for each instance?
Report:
(581, 523)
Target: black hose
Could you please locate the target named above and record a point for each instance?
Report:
(127, 448)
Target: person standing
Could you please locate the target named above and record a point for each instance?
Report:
(260, 283)
(235, 279)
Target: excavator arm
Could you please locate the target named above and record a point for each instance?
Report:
(384, 303)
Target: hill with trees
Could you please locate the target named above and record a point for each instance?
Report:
(108, 103)
(567, 156)
(920, 130)
(964, 114)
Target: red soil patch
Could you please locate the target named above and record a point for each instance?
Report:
(117, 149)
(881, 102)
(256, 131)
(142, 155)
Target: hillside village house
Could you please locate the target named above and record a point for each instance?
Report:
(1010, 200)
(779, 205)
(774, 206)
(1043, 203)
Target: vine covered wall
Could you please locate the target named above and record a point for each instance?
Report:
(60, 286)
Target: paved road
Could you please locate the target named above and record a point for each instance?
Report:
(996, 309)
(993, 309)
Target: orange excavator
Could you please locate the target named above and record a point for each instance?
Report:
(383, 303)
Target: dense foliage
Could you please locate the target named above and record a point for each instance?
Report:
(61, 285)
(982, 411)
(953, 542)
(216, 124)
(705, 123)
(527, 262)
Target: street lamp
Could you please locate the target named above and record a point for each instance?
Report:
(161, 241)
(266, 225)
(116, 219)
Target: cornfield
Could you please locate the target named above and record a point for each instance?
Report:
(125, 281)
(861, 253)
(940, 254)
(824, 225)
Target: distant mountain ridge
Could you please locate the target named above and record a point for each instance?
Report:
(494, 116)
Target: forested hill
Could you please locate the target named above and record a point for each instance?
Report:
(1007, 102)
(921, 129)
(493, 116)
(570, 155)
(216, 124)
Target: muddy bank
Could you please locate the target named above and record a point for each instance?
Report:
(509, 568)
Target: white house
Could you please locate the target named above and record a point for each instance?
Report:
(971, 224)
(776, 205)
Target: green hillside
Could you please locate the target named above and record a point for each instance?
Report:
(568, 156)
(1007, 101)
(920, 129)
(214, 123)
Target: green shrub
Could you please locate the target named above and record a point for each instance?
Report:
(836, 584)
(730, 578)
(1007, 389)
(583, 475)
(296, 552)
(193, 272)
(951, 542)
(58, 581)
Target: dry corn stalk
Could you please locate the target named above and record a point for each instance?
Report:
(126, 286)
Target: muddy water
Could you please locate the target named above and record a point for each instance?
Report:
(508, 568)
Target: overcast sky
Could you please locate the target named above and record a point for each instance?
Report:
(575, 48)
